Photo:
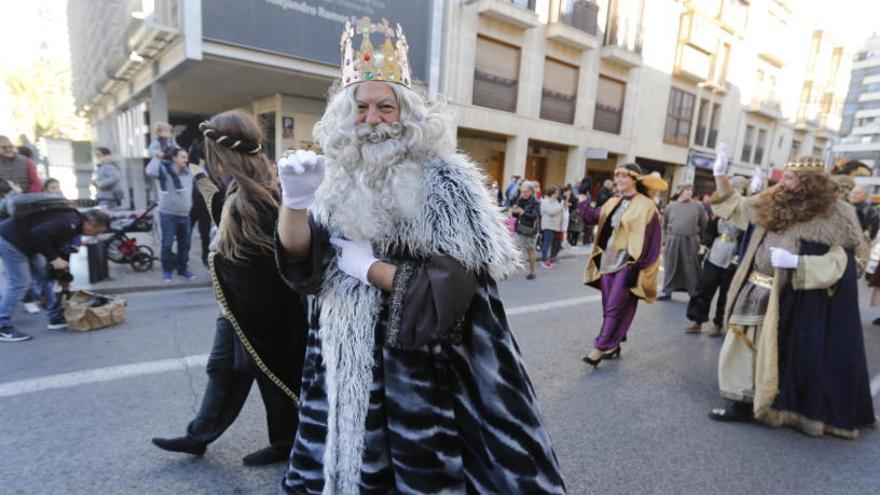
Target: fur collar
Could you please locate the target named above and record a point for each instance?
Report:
(457, 218)
(840, 227)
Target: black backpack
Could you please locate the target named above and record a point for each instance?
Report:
(25, 206)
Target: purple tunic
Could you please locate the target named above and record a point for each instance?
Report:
(618, 303)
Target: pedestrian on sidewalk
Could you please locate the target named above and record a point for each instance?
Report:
(174, 222)
(526, 208)
(18, 169)
(199, 216)
(43, 234)
(108, 179)
(261, 333)
(160, 149)
(625, 257)
(683, 221)
(794, 354)
(551, 223)
(718, 269)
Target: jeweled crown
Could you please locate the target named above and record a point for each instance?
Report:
(388, 63)
(805, 164)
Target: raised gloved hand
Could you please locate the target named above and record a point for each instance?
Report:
(300, 174)
(719, 168)
(354, 257)
(757, 182)
(781, 258)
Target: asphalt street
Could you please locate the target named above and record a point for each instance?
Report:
(78, 409)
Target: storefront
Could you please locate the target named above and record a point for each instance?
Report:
(487, 150)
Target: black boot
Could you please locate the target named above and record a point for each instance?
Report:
(735, 411)
(180, 444)
(268, 455)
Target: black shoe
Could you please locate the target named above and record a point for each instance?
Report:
(8, 333)
(739, 411)
(530, 276)
(269, 455)
(183, 445)
(593, 362)
(876, 321)
(664, 296)
(613, 354)
(57, 323)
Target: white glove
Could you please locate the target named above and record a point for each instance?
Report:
(757, 182)
(300, 174)
(719, 168)
(354, 257)
(780, 258)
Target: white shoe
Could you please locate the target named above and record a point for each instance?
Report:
(32, 307)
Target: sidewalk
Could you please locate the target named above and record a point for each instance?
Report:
(122, 278)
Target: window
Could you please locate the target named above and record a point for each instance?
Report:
(560, 91)
(713, 126)
(496, 74)
(718, 73)
(748, 144)
(795, 150)
(759, 148)
(679, 114)
(708, 118)
(609, 105)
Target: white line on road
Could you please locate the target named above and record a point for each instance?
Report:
(73, 379)
(534, 308)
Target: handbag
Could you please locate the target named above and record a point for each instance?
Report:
(528, 230)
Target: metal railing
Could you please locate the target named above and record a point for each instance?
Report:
(607, 119)
(624, 33)
(526, 4)
(557, 107)
(579, 14)
(494, 92)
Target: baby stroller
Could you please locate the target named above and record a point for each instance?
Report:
(123, 249)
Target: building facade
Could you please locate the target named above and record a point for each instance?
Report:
(861, 115)
(556, 89)
(552, 90)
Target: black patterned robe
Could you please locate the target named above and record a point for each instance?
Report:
(457, 414)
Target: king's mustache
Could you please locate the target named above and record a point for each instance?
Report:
(377, 133)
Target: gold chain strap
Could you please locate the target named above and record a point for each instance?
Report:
(224, 308)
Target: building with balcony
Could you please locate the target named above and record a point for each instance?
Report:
(548, 89)
(861, 116)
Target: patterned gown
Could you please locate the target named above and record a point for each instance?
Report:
(455, 415)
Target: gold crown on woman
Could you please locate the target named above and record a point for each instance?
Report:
(388, 63)
(806, 164)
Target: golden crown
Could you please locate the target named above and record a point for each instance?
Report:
(805, 164)
(389, 63)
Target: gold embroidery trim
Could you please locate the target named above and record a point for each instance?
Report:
(726, 238)
(224, 308)
(765, 281)
(742, 337)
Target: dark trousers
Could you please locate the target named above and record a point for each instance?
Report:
(713, 278)
(227, 391)
(200, 217)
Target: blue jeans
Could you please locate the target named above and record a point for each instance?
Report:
(547, 237)
(17, 272)
(43, 286)
(175, 227)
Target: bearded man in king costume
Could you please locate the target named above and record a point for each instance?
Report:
(794, 354)
(413, 382)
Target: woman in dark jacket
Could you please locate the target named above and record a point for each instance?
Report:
(261, 332)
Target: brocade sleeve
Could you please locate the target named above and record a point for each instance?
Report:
(305, 276)
(428, 303)
(820, 272)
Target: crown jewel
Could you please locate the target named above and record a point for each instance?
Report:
(388, 63)
(805, 164)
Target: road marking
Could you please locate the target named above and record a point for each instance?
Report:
(65, 380)
(534, 308)
(875, 386)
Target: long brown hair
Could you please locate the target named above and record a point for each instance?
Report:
(779, 208)
(252, 194)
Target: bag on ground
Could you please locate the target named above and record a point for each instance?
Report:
(86, 311)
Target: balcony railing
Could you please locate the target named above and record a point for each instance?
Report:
(607, 119)
(557, 107)
(494, 92)
(526, 4)
(579, 14)
(624, 33)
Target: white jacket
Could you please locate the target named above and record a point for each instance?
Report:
(551, 214)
